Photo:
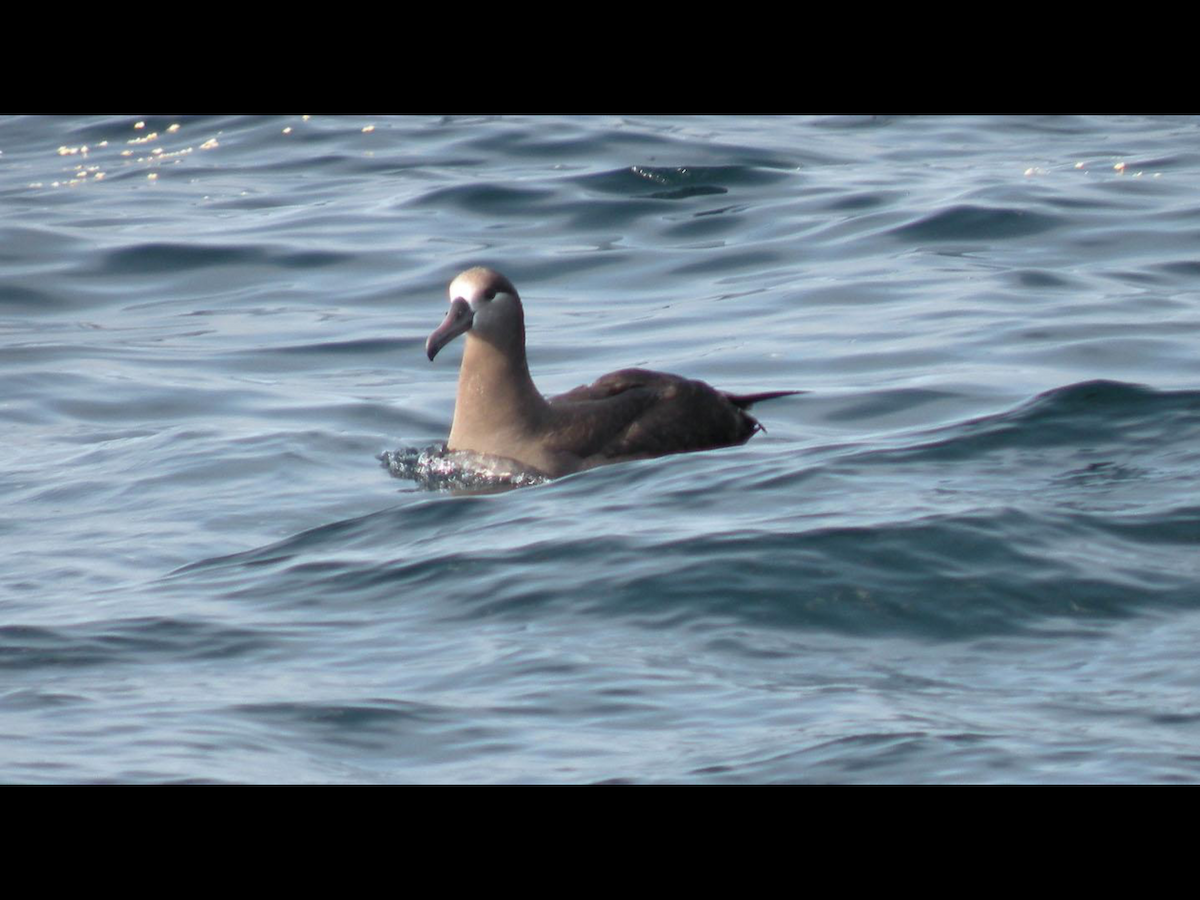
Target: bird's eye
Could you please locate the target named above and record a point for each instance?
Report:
(490, 295)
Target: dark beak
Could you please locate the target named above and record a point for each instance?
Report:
(456, 322)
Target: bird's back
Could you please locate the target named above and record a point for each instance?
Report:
(637, 414)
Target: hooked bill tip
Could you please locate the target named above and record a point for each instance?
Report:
(458, 319)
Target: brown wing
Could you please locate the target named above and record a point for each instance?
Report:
(610, 385)
(636, 413)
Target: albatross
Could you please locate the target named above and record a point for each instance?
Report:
(625, 415)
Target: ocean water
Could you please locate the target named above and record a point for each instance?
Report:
(967, 554)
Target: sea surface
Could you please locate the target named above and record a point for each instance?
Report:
(969, 553)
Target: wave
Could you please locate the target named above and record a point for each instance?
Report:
(1066, 511)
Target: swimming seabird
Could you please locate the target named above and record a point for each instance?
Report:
(625, 415)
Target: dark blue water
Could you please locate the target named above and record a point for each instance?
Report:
(968, 554)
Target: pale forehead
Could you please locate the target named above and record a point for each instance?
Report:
(479, 280)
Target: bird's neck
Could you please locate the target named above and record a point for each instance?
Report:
(496, 395)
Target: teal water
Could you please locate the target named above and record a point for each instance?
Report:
(966, 555)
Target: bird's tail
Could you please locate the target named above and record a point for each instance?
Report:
(745, 401)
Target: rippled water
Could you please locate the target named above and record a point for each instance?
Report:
(967, 554)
